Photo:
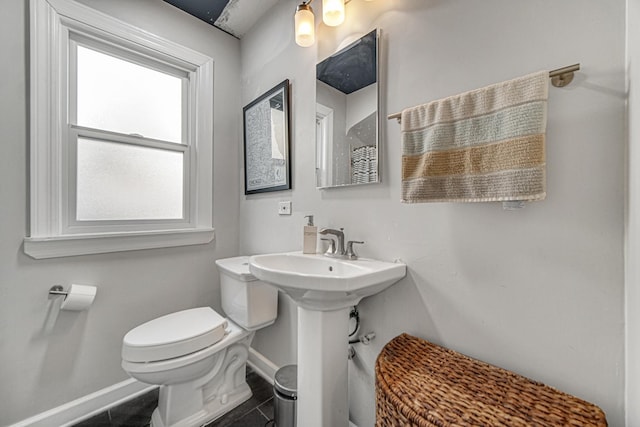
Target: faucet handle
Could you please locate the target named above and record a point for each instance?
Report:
(332, 246)
(350, 253)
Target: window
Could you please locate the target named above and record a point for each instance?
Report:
(121, 136)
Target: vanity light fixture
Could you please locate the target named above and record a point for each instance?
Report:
(332, 15)
(305, 25)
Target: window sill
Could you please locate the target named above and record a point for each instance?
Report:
(85, 244)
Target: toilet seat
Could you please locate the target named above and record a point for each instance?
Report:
(234, 334)
(174, 335)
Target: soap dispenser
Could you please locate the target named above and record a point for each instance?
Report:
(310, 237)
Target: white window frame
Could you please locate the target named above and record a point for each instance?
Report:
(55, 26)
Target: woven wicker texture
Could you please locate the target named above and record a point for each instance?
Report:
(421, 384)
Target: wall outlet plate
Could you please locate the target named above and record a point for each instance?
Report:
(284, 208)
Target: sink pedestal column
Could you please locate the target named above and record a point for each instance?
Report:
(324, 289)
(323, 399)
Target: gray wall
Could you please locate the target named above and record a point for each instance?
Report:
(332, 98)
(632, 296)
(45, 361)
(539, 291)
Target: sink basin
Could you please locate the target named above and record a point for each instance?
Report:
(318, 282)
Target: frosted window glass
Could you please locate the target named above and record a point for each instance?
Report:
(127, 182)
(124, 97)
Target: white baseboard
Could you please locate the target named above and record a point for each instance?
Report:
(263, 366)
(92, 404)
(87, 406)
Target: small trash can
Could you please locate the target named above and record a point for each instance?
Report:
(285, 394)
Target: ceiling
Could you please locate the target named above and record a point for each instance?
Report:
(353, 68)
(234, 17)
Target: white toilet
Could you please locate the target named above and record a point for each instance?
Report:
(198, 357)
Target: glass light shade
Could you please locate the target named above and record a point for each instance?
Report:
(333, 12)
(305, 26)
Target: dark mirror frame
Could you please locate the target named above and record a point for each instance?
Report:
(258, 144)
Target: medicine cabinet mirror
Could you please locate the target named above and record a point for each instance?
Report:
(347, 122)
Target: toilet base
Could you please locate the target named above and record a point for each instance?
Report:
(210, 412)
(202, 400)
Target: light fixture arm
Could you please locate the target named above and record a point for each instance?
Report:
(308, 2)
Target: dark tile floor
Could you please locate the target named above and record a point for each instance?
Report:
(255, 412)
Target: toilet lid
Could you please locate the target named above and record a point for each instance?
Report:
(173, 335)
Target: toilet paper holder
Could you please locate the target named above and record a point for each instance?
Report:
(75, 298)
(56, 291)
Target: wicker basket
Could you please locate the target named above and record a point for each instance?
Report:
(421, 384)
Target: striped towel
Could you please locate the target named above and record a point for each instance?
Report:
(480, 146)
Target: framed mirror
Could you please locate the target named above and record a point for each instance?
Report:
(347, 122)
(267, 165)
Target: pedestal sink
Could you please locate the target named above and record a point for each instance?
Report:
(324, 289)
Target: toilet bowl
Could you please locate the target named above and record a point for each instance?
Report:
(198, 357)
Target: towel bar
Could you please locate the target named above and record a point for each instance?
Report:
(559, 78)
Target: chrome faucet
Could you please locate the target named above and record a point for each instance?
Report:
(336, 237)
(336, 244)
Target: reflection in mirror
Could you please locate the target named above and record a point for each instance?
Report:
(347, 115)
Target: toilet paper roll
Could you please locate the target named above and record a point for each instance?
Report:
(79, 297)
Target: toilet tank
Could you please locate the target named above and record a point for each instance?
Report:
(246, 300)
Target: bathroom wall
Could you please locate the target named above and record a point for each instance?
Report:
(632, 295)
(540, 290)
(332, 98)
(47, 360)
(361, 104)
